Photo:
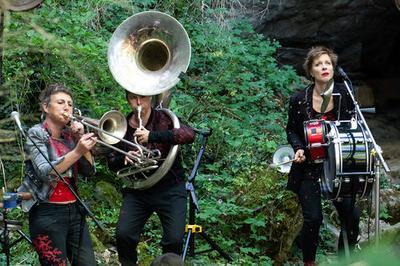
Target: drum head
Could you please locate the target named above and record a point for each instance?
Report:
(348, 167)
(329, 174)
(330, 163)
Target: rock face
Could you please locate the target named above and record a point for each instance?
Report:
(391, 201)
(365, 34)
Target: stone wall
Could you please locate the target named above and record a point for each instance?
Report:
(365, 34)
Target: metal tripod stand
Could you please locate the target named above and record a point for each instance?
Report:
(192, 228)
(5, 236)
(376, 150)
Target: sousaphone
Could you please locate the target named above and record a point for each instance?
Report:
(147, 54)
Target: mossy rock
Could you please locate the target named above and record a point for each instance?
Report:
(390, 199)
(264, 191)
(145, 257)
(391, 236)
(105, 191)
(97, 244)
(285, 230)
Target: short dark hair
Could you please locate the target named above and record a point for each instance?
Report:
(51, 90)
(316, 52)
(168, 259)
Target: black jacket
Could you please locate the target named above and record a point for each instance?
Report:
(300, 110)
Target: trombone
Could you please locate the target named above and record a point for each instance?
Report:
(111, 129)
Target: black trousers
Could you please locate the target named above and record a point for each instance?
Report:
(59, 232)
(168, 202)
(310, 199)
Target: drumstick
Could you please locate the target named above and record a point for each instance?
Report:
(279, 164)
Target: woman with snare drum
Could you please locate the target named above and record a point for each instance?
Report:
(306, 170)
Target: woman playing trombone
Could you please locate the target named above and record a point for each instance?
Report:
(57, 225)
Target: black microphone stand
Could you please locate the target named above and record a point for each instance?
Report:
(5, 236)
(192, 228)
(79, 200)
(376, 149)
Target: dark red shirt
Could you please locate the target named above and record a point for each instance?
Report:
(62, 146)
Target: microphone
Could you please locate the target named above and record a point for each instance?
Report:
(342, 73)
(15, 116)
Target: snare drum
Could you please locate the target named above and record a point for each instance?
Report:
(316, 141)
(349, 168)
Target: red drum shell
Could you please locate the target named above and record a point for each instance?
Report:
(315, 134)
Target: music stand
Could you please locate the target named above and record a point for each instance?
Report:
(192, 228)
(5, 238)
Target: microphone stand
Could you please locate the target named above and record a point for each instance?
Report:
(192, 228)
(88, 212)
(5, 236)
(376, 150)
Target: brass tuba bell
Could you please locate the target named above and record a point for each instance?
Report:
(148, 52)
(146, 55)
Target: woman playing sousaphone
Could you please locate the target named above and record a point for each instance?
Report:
(305, 172)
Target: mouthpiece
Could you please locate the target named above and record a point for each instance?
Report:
(70, 117)
(139, 114)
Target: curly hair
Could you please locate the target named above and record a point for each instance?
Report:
(316, 52)
(52, 89)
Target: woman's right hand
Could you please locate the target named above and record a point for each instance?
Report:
(86, 143)
(299, 156)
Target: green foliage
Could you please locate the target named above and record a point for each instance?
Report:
(236, 88)
(384, 254)
(234, 85)
(384, 213)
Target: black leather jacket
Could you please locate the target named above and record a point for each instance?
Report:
(300, 110)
